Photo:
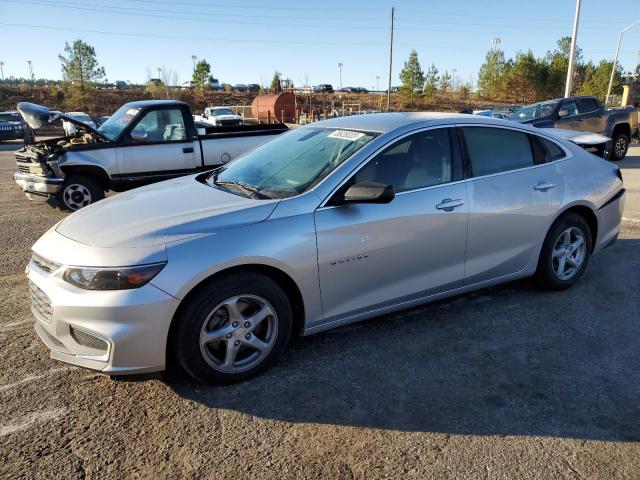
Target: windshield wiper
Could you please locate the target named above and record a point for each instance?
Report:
(254, 192)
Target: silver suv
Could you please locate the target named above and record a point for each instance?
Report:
(323, 226)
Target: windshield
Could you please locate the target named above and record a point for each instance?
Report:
(536, 110)
(222, 111)
(10, 117)
(117, 122)
(291, 163)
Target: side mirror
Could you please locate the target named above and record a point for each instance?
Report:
(138, 135)
(369, 192)
(563, 113)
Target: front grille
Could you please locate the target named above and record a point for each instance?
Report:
(23, 168)
(5, 127)
(229, 123)
(40, 303)
(87, 340)
(44, 264)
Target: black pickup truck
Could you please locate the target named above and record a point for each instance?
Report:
(584, 114)
(13, 127)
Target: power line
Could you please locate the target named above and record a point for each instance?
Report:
(192, 19)
(258, 7)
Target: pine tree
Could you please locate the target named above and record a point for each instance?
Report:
(411, 76)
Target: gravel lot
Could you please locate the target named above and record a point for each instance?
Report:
(509, 382)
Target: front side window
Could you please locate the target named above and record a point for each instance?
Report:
(163, 126)
(291, 163)
(572, 108)
(588, 105)
(420, 160)
(494, 150)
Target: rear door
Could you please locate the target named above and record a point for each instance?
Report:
(372, 255)
(592, 118)
(513, 194)
(168, 146)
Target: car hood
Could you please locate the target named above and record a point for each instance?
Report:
(162, 213)
(226, 117)
(37, 115)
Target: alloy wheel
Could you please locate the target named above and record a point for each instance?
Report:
(620, 147)
(569, 252)
(238, 333)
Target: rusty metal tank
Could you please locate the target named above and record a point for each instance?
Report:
(280, 107)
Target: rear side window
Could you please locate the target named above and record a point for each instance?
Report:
(495, 150)
(587, 105)
(552, 151)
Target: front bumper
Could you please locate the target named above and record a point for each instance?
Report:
(116, 332)
(38, 184)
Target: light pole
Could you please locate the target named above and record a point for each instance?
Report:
(340, 73)
(159, 76)
(377, 83)
(194, 58)
(615, 59)
(30, 70)
(2, 70)
(572, 54)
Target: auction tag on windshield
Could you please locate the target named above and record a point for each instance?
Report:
(133, 111)
(346, 135)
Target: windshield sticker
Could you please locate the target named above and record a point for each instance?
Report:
(132, 112)
(346, 135)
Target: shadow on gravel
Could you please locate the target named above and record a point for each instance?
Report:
(510, 360)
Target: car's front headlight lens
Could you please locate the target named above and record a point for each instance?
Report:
(109, 278)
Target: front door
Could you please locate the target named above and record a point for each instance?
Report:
(160, 144)
(371, 255)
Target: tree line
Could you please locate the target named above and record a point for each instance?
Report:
(523, 79)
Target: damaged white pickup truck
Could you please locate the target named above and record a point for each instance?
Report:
(142, 142)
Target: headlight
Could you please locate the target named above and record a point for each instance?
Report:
(108, 278)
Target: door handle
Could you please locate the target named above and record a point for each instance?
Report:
(187, 150)
(448, 204)
(544, 186)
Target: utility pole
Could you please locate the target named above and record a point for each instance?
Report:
(390, 60)
(615, 60)
(159, 75)
(2, 70)
(572, 55)
(377, 83)
(194, 58)
(340, 65)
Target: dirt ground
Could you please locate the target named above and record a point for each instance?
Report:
(505, 383)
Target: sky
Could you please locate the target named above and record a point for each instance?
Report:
(246, 41)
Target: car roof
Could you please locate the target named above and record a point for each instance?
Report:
(386, 122)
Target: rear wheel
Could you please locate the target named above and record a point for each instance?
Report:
(79, 191)
(565, 253)
(620, 146)
(233, 328)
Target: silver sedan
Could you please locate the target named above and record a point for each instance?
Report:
(325, 225)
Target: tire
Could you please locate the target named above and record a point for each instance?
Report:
(620, 146)
(79, 191)
(210, 315)
(551, 264)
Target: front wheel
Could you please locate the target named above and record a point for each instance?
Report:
(233, 328)
(79, 191)
(620, 146)
(565, 253)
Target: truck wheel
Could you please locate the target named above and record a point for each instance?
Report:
(620, 146)
(80, 191)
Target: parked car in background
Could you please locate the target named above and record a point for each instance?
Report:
(121, 84)
(584, 114)
(70, 128)
(239, 87)
(220, 117)
(188, 85)
(361, 90)
(323, 88)
(501, 115)
(594, 143)
(13, 127)
(326, 225)
(483, 113)
(253, 88)
(142, 142)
